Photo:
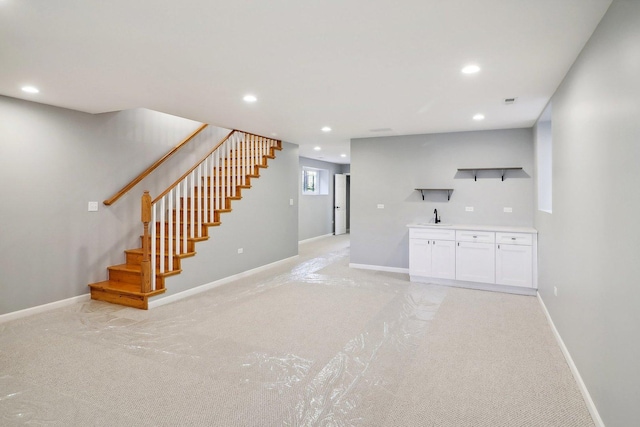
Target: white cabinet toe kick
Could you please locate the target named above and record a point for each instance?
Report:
(502, 259)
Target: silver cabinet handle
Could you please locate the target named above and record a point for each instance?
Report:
(513, 238)
(475, 237)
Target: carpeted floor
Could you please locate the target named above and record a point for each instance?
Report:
(310, 342)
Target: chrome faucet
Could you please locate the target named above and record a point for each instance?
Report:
(435, 211)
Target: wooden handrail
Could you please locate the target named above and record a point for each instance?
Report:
(179, 180)
(151, 168)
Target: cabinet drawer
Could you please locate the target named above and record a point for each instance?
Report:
(432, 234)
(514, 239)
(475, 236)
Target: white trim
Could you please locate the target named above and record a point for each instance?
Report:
(574, 369)
(44, 307)
(491, 287)
(208, 286)
(314, 238)
(379, 268)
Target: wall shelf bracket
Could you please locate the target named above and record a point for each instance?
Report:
(474, 171)
(423, 190)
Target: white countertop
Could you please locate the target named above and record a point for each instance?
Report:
(498, 228)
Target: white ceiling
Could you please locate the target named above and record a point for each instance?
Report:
(353, 65)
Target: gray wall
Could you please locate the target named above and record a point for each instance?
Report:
(316, 212)
(387, 170)
(589, 246)
(52, 162)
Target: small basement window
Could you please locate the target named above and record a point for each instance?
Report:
(315, 182)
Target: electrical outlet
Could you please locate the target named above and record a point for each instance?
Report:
(380, 206)
(240, 250)
(555, 291)
(508, 210)
(93, 207)
(469, 209)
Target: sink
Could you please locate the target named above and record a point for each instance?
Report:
(433, 224)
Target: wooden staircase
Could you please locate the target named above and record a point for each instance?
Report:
(128, 284)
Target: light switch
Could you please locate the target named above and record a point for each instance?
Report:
(290, 202)
(380, 206)
(93, 207)
(509, 210)
(469, 208)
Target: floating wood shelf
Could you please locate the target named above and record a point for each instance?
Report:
(474, 171)
(448, 190)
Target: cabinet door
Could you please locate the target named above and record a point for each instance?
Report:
(475, 262)
(419, 257)
(514, 265)
(443, 259)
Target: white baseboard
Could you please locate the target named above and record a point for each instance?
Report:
(42, 308)
(314, 238)
(379, 268)
(490, 287)
(159, 301)
(574, 369)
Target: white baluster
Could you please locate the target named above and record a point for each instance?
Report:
(234, 164)
(162, 234)
(226, 172)
(210, 185)
(244, 159)
(153, 233)
(205, 191)
(185, 211)
(193, 203)
(170, 232)
(217, 178)
(200, 201)
(178, 209)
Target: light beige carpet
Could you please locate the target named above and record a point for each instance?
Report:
(310, 342)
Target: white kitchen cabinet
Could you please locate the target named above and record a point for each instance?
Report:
(443, 259)
(420, 257)
(432, 253)
(491, 258)
(475, 262)
(514, 261)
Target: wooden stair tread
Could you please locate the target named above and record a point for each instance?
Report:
(123, 288)
(182, 255)
(126, 267)
(133, 268)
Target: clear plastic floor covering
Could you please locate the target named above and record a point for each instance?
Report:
(308, 343)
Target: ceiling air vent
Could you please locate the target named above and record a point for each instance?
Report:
(509, 101)
(381, 130)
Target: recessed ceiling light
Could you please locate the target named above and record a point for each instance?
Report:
(471, 69)
(250, 98)
(343, 155)
(326, 129)
(30, 89)
(478, 117)
(317, 148)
